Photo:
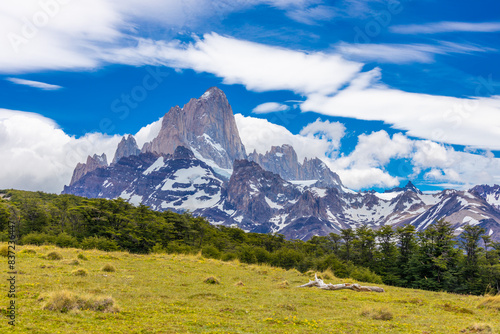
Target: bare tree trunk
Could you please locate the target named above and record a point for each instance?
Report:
(356, 287)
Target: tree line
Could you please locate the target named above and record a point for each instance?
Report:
(432, 259)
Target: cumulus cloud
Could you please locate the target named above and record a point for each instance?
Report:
(34, 84)
(366, 165)
(260, 135)
(269, 107)
(148, 133)
(28, 140)
(471, 121)
(325, 130)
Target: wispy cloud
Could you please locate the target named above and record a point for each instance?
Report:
(269, 107)
(446, 27)
(312, 15)
(257, 66)
(406, 53)
(34, 84)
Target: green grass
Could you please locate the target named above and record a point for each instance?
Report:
(163, 293)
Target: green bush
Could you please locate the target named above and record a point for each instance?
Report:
(4, 236)
(36, 238)
(286, 258)
(247, 255)
(64, 240)
(99, 243)
(228, 256)
(158, 249)
(211, 252)
(261, 255)
(4, 251)
(178, 247)
(363, 274)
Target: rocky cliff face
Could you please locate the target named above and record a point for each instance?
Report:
(490, 194)
(94, 162)
(283, 160)
(175, 181)
(126, 147)
(205, 125)
(197, 163)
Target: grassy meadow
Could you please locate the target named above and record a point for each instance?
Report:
(166, 293)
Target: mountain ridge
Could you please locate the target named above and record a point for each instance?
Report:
(200, 165)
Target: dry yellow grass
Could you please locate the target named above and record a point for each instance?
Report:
(491, 302)
(64, 301)
(165, 293)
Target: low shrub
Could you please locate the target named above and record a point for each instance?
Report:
(36, 238)
(79, 272)
(158, 249)
(74, 262)
(64, 301)
(4, 251)
(456, 309)
(54, 256)
(211, 280)
(211, 252)
(478, 328)
(284, 285)
(108, 268)
(380, 314)
(228, 257)
(178, 247)
(28, 251)
(363, 274)
(82, 257)
(64, 240)
(99, 243)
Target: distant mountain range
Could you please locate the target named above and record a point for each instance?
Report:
(198, 163)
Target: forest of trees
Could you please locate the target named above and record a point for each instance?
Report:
(433, 259)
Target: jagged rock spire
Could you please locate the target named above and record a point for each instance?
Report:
(206, 125)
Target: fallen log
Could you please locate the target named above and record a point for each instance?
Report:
(356, 287)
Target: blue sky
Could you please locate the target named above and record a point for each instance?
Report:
(385, 91)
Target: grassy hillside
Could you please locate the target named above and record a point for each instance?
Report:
(161, 293)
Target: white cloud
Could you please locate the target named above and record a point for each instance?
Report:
(34, 84)
(68, 35)
(446, 27)
(256, 66)
(405, 53)
(331, 131)
(54, 35)
(269, 107)
(260, 135)
(471, 121)
(148, 133)
(366, 165)
(360, 178)
(28, 140)
(313, 14)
